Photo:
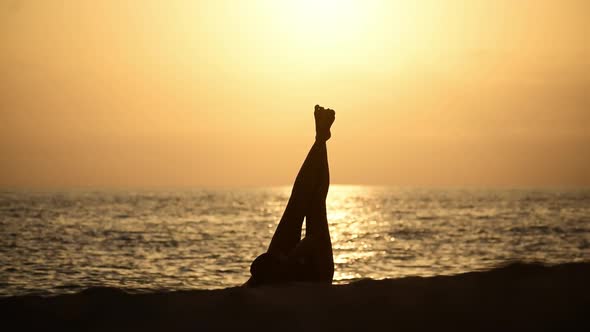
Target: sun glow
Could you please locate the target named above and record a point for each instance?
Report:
(324, 22)
(303, 36)
(325, 28)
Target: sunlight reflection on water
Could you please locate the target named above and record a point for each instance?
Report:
(62, 241)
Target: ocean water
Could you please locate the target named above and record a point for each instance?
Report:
(61, 242)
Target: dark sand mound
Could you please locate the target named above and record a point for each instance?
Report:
(517, 297)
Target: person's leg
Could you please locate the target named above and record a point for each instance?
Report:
(311, 180)
(317, 204)
(317, 246)
(318, 234)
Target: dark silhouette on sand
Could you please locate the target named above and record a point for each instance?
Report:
(290, 258)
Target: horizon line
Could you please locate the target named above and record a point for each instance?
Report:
(167, 188)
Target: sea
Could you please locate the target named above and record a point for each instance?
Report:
(58, 242)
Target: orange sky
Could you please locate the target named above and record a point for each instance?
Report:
(221, 93)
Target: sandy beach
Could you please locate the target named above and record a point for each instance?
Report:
(516, 297)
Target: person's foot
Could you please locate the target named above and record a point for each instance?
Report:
(324, 117)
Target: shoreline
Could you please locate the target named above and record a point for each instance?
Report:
(515, 297)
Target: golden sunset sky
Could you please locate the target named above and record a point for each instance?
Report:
(183, 93)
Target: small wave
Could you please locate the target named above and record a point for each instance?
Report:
(544, 230)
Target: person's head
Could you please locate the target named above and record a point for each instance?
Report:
(268, 269)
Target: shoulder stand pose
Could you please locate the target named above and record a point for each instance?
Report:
(290, 258)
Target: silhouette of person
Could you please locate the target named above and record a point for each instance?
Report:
(290, 258)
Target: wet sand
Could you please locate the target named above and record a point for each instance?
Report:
(516, 297)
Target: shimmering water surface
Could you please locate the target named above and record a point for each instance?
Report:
(60, 242)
